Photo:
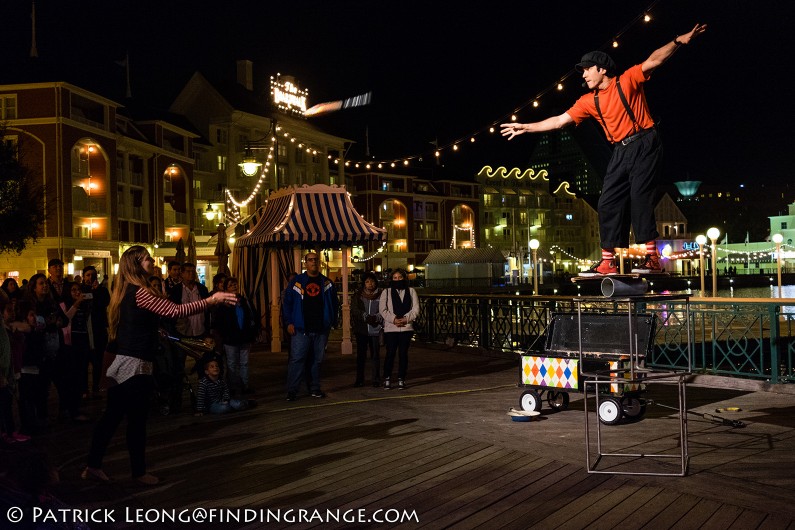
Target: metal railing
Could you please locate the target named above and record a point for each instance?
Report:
(750, 338)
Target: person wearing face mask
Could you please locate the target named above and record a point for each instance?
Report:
(399, 306)
(367, 326)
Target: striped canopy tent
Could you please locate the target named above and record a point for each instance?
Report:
(310, 215)
(294, 219)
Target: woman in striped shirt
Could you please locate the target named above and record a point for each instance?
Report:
(134, 313)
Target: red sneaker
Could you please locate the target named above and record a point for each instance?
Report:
(602, 268)
(650, 265)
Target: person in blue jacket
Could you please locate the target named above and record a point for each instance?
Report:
(310, 311)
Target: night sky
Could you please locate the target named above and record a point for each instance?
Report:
(440, 71)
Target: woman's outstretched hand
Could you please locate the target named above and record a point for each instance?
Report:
(223, 298)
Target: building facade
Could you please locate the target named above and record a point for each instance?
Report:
(419, 215)
(108, 182)
(518, 206)
(114, 174)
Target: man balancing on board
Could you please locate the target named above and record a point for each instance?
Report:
(619, 104)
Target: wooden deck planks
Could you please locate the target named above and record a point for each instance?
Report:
(370, 453)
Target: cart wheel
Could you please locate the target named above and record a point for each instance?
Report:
(633, 408)
(558, 400)
(610, 411)
(530, 401)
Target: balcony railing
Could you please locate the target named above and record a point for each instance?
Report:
(172, 218)
(747, 339)
(82, 203)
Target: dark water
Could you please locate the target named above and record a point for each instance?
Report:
(787, 291)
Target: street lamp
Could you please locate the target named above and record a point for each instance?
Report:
(777, 239)
(713, 234)
(209, 213)
(249, 165)
(701, 240)
(534, 246)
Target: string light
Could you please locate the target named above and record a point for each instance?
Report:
(257, 186)
(471, 229)
(371, 256)
(534, 102)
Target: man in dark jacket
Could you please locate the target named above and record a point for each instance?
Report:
(189, 290)
(59, 286)
(194, 326)
(310, 311)
(99, 302)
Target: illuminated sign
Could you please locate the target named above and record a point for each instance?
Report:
(287, 96)
(689, 245)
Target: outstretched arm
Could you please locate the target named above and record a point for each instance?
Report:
(515, 129)
(661, 55)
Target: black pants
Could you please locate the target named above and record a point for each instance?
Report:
(31, 402)
(130, 399)
(397, 342)
(7, 425)
(95, 358)
(69, 375)
(628, 192)
(363, 344)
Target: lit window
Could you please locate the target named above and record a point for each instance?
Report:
(8, 107)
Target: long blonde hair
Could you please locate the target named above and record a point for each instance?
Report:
(131, 272)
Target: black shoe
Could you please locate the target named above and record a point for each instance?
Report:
(318, 394)
(401, 384)
(358, 384)
(387, 385)
(291, 397)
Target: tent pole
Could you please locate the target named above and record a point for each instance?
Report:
(297, 259)
(347, 347)
(276, 328)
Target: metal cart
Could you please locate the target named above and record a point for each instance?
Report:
(565, 364)
(635, 372)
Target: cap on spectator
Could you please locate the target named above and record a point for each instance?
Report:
(54, 261)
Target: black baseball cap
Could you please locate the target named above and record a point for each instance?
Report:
(597, 58)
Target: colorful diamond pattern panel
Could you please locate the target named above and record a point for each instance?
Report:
(554, 372)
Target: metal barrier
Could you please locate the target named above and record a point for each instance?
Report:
(746, 338)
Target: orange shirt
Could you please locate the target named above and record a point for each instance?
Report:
(619, 124)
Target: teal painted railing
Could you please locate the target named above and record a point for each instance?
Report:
(747, 338)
